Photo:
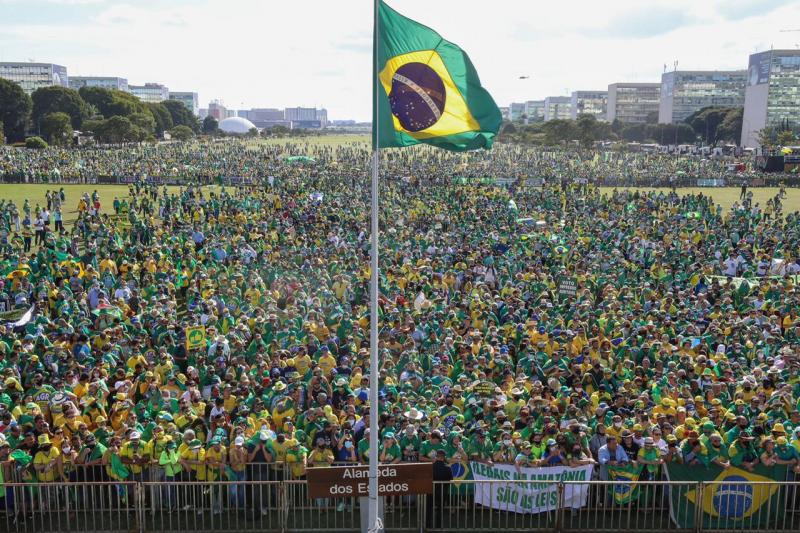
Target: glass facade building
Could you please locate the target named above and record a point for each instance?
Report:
(772, 96)
(593, 103)
(534, 110)
(150, 92)
(557, 107)
(32, 76)
(515, 111)
(632, 102)
(188, 99)
(106, 82)
(684, 92)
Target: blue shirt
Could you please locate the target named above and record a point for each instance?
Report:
(604, 455)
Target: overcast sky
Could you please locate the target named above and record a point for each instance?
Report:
(279, 53)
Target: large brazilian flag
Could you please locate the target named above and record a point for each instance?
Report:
(427, 90)
(729, 498)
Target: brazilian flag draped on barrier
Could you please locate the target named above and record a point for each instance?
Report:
(731, 498)
(625, 488)
(428, 90)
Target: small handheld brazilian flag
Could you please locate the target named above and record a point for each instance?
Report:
(427, 90)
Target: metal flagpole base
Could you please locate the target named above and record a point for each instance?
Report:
(364, 507)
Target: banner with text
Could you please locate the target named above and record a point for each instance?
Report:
(529, 490)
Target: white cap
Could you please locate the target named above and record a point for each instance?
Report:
(238, 441)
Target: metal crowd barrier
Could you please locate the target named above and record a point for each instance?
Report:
(284, 505)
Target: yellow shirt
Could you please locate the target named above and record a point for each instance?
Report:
(213, 456)
(43, 458)
(327, 363)
(128, 451)
(196, 455)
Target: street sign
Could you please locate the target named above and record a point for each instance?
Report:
(195, 337)
(568, 287)
(346, 481)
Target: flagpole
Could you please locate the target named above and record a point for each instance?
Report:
(373, 525)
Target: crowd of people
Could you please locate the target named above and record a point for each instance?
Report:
(680, 343)
(198, 163)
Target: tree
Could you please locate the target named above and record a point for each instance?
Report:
(115, 130)
(2, 136)
(633, 132)
(210, 125)
(112, 102)
(558, 130)
(163, 119)
(181, 115)
(56, 99)
(731, 128)
(707, 120)
(587, 128)
(15, 108)
(652, 118)
(785, 138)
(181, 133)
(143, 121)
(57, 128)
(252, 132)
(35, 143)
(766, 138)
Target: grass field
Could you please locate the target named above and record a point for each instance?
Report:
(35, 194)
(344, 139)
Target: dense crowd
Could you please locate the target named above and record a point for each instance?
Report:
(206, 162)
(680, 344)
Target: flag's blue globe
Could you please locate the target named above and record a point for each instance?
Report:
(733, 498)
(458, 470)
(417, 97)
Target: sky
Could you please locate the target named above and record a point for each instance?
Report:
(285, 53)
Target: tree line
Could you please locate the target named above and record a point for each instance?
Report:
(111, 115)
(711, 125)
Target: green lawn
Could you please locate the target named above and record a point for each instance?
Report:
(725, 196)
(35, 194)
(342, 139)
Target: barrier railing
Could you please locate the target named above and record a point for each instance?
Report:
(284, 505)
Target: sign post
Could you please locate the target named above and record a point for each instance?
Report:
(195, 338)
(353, 481)
(568, 287)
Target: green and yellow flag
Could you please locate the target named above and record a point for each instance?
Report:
(626, 487)
(730, 498)
(427, 90)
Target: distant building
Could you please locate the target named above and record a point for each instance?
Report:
(515, 111)
(632, 102)
(300, 113)
(188, 99)
(217, 110)
(150, 92)
(593, 103)
(106, 82)
(306, 117)
(534, 111)
(557, 107)
(32, 76)
(203, 113)
(265, 117)
(772, 96)
(684, 92)
(504, 112)
(322, 116)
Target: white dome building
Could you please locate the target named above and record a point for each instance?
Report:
(236, 125)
